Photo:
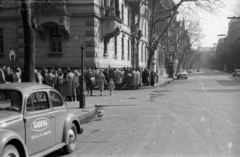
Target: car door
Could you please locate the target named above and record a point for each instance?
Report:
(39, 122)
(60, 114)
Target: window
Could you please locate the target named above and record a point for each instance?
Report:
(145, 32)
(1, 40)
(129, 16)
(123, 46)
(56, 99)
(115, 46)
(123, 13)
(117, 12)
(37, 101)
(10, 100)
(105, 47)
(145, 53)
(55, 39)
(1, 6)
(129, 48)
(142, 53)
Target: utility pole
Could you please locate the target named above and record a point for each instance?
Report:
(29, 42)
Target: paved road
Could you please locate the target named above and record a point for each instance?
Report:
(190, 118)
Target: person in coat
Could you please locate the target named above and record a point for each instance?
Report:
(146, 77)
(118, 78)
(137, 79)
(17, 76)
(44, 73)
(111, 86)
(9, 75)
(2, 76)
(50, 78)
(133, 79)
(38, 77)
(105, 73)
(90, 81)
(101, 81)
(67, 85)
(128, 79)
(153, 75)
(59, 83)
(75, 83)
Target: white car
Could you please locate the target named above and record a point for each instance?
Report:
(182, 73)
(236, 72)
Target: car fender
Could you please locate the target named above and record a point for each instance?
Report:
(7, 136)
(71, 118)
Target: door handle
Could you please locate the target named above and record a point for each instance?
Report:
(52, 115)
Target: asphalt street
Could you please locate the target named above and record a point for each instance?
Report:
(194, 117)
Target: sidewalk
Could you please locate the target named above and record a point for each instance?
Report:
(90, 111)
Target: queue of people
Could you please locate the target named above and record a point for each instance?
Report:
(67, 81)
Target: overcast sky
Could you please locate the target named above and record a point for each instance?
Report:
(218, 24)
(213, 25)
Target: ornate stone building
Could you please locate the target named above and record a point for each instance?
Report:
(105, 27)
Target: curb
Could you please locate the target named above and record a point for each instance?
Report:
(164, 83)
(83, 119)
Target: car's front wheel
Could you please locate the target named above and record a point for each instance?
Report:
(10, 151)
(72, 139)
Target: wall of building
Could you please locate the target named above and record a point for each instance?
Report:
(86, 27)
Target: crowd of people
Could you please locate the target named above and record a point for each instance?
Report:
(68, 81)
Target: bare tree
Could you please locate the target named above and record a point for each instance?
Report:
(189, 34)
(161, 14)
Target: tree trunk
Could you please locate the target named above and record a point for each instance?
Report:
(29, 43)
(150, 56)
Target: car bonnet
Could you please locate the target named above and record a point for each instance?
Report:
(7, 116)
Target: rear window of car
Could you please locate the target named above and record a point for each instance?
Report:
(182, 70)
(10, 100)
(237, 70)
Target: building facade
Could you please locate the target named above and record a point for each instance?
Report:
(105, 28)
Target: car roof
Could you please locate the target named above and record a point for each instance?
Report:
(24, 87)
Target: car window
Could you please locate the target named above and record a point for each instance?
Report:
(37, 101)
(10, 100)
(56, 99)
(182, 70)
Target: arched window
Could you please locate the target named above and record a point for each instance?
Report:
(55, 39)
(1, 40)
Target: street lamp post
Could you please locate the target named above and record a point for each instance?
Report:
(82, 95)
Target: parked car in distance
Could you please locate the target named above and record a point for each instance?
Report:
(198, 70)
(34, 121)
(190, 71)
(182, 73)
(236, 72)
